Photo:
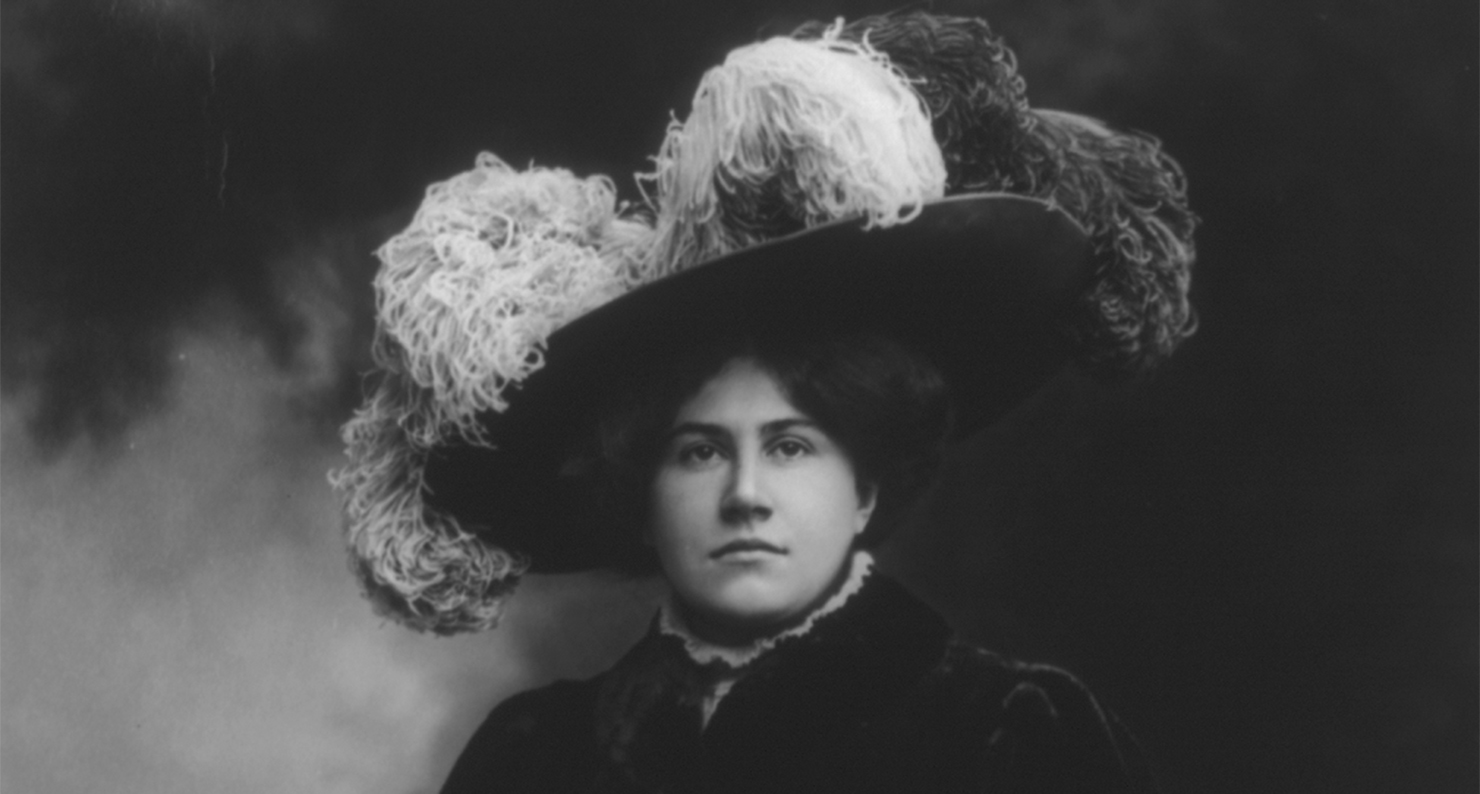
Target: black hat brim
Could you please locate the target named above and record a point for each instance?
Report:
(979, 284)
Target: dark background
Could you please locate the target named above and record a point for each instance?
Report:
(1264, 558)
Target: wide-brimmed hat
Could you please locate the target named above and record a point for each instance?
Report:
(885, 176)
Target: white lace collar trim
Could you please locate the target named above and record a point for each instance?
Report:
(735, 657)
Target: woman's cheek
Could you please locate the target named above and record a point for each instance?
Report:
(679, 514)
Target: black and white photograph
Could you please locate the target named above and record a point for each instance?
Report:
(977, 396)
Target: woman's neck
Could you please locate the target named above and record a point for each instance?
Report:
(737, 648)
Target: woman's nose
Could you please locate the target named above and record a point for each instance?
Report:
(744, 499)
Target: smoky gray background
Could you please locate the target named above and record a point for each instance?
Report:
(1264, 558)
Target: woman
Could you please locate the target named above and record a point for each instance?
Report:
(856, 229)
(783, 661)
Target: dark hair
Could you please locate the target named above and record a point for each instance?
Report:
(887, 407)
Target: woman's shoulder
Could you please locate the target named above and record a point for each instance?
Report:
(543, 708)
(528, 739)
(1036, 722)
(977, 674)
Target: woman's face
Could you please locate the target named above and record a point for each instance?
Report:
(755, 508)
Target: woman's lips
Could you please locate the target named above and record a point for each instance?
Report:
(747, 547)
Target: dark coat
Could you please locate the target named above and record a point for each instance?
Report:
(877, 697)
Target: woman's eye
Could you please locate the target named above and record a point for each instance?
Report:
(789, 448)
(698, 454)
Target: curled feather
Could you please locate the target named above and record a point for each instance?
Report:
(968, 79)
(787, 134)
(1132, 197)
(493, 263)
(1128, 193)
(417, 566)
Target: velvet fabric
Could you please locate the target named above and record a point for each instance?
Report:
(877, 697)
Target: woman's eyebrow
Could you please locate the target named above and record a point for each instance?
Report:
(790, 423)
(696, 428)
(710, 430)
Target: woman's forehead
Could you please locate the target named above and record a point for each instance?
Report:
(742, 392)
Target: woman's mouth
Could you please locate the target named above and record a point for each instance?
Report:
(748, 547)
